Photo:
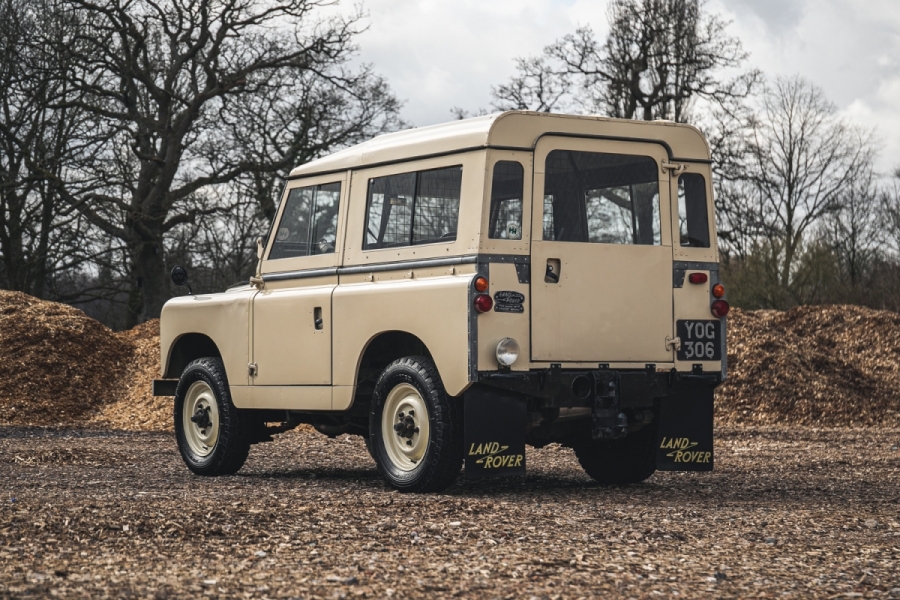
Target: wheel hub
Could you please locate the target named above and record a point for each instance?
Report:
(406, 426)
(200, 422)
(405, 429)
(201, 417)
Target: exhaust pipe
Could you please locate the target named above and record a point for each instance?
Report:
(582, 387)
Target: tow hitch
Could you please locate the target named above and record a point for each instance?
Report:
(609, 421)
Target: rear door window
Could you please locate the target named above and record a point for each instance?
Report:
(601, 198)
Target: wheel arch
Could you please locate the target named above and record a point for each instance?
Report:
(186, 348)
(384, 348)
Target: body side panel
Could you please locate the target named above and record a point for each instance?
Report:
(224, 318)
(434, 309)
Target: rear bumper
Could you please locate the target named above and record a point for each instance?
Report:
(565, 388)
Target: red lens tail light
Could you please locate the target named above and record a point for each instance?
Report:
(483, 303)
(698, 278)
(719, 308)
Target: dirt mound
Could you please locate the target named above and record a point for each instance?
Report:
(56, 364)
(813, 365)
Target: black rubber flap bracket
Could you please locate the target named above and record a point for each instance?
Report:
(686, 431)
(494, 433)
(164, 387)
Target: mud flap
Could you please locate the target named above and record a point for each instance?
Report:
(685, 439)
(494, 433)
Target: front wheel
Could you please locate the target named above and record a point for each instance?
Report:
(211, 436)
(415, 429)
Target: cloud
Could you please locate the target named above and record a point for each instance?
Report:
(879, 112)
(439, 54)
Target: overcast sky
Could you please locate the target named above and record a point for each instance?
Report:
(437, 54)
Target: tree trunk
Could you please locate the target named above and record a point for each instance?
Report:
(149, 268)
(12, 243)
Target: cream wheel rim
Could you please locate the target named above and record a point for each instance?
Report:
(404, 427)
(200, 418)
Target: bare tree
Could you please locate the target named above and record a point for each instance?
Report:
(539, 85)
(802, 163)
(39, 236)
(172, 83)
(660, 56)
(296, 117)
(856, 233)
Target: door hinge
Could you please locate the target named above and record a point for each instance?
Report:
(676, 168)
(252, 369)
(674, 342)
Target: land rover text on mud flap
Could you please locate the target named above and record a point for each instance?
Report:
(453, 293)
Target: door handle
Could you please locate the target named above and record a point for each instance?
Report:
(317, 318)
(551, 275)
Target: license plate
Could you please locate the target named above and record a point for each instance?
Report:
(700, 340)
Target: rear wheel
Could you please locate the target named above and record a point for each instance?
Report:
(415, 429)
(628, 460)
(212, 437)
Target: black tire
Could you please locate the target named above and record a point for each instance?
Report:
(231, 445)
(442, 447)
(628, 460)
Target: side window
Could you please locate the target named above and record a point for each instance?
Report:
(506, 201)
(308, 223)
(390, 211)
(601, 198)
(693, 218)
(413, 208)
(325, 217)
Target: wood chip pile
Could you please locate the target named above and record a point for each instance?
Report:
(57, 365)
(60, 367)
(812, 365)
(816, 365)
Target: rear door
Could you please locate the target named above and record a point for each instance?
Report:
(601, 253)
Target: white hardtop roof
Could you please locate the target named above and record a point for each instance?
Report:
(513, 130)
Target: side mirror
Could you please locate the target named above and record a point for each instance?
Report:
(180, 277)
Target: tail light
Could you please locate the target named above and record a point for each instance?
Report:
(483, 303)
(481, 284)
(697, 278)
(719, 308)
(718, 290)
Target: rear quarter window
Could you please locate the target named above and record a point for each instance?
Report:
(693, 215)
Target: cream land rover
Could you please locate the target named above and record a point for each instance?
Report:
(453, 293)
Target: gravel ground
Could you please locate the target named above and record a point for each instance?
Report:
(788, 512)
